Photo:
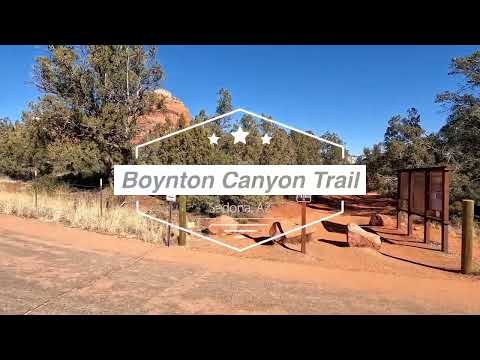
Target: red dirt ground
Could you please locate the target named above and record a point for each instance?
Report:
(405, 271)
(399, 254)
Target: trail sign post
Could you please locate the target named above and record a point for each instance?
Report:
(171, 199)
(424, 192)
(303, 200)
(467, 236)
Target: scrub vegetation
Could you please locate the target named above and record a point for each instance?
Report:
(78, 209)
(84, 122)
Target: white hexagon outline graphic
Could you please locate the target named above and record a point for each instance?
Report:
(217, 241)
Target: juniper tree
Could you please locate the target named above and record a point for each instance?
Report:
(458, 143)
(331, 154)
(91, 98)
(406, 143)
(307, 149)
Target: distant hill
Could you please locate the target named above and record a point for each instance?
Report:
(167, 107)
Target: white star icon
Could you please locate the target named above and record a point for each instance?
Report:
(213, 139)
(239, 135)
(266, 139)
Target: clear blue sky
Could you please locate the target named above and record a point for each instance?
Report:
(351, 90)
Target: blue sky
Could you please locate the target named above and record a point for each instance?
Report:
(351, 90)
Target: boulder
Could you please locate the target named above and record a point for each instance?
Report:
(380, 220)
(216, 226)
(357, 237)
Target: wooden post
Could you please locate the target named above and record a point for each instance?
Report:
(399, 177)
(426, 230)
(182, 219)
(101, 198)
(409, 222)
(445, 213)
(426, 223)
(467, 235)
(304, 232)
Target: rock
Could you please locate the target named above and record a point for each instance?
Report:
(357, 237)
(167, 107)
(214, 228)
(380, 220)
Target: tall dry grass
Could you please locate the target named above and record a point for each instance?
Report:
(456, 226)
(78, 209)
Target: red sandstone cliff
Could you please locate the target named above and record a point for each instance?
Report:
(169, 108)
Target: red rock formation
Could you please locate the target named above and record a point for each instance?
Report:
(171, 108)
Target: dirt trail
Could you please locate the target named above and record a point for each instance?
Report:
(48, 268)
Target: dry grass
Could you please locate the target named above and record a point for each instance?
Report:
(81, 210)
(456, 226)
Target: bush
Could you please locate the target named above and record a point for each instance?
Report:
(383, 184)
(202, 204)
(49, 184)
(207, 204)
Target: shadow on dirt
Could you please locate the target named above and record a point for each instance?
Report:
(422, 264)
(259, 239)
(334, 242)
(331, 226)
(271, 242)
(342, 229)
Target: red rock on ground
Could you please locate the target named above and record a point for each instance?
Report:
(380, 220)
(357, 237)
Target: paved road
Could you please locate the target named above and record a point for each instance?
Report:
(42, 274)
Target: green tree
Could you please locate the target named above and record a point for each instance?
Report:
(406, 143)
(250, 152)
(374, 159)
(21, 149)
(330, 154)
(280, 151)
(307, 149)
(92, 97)
(458, 144)
(224, 105)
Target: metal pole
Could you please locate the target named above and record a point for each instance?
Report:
(101, 199)
(467, 235)
(35, 191)
(182, 219)
(304, 221)
(169, 220)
